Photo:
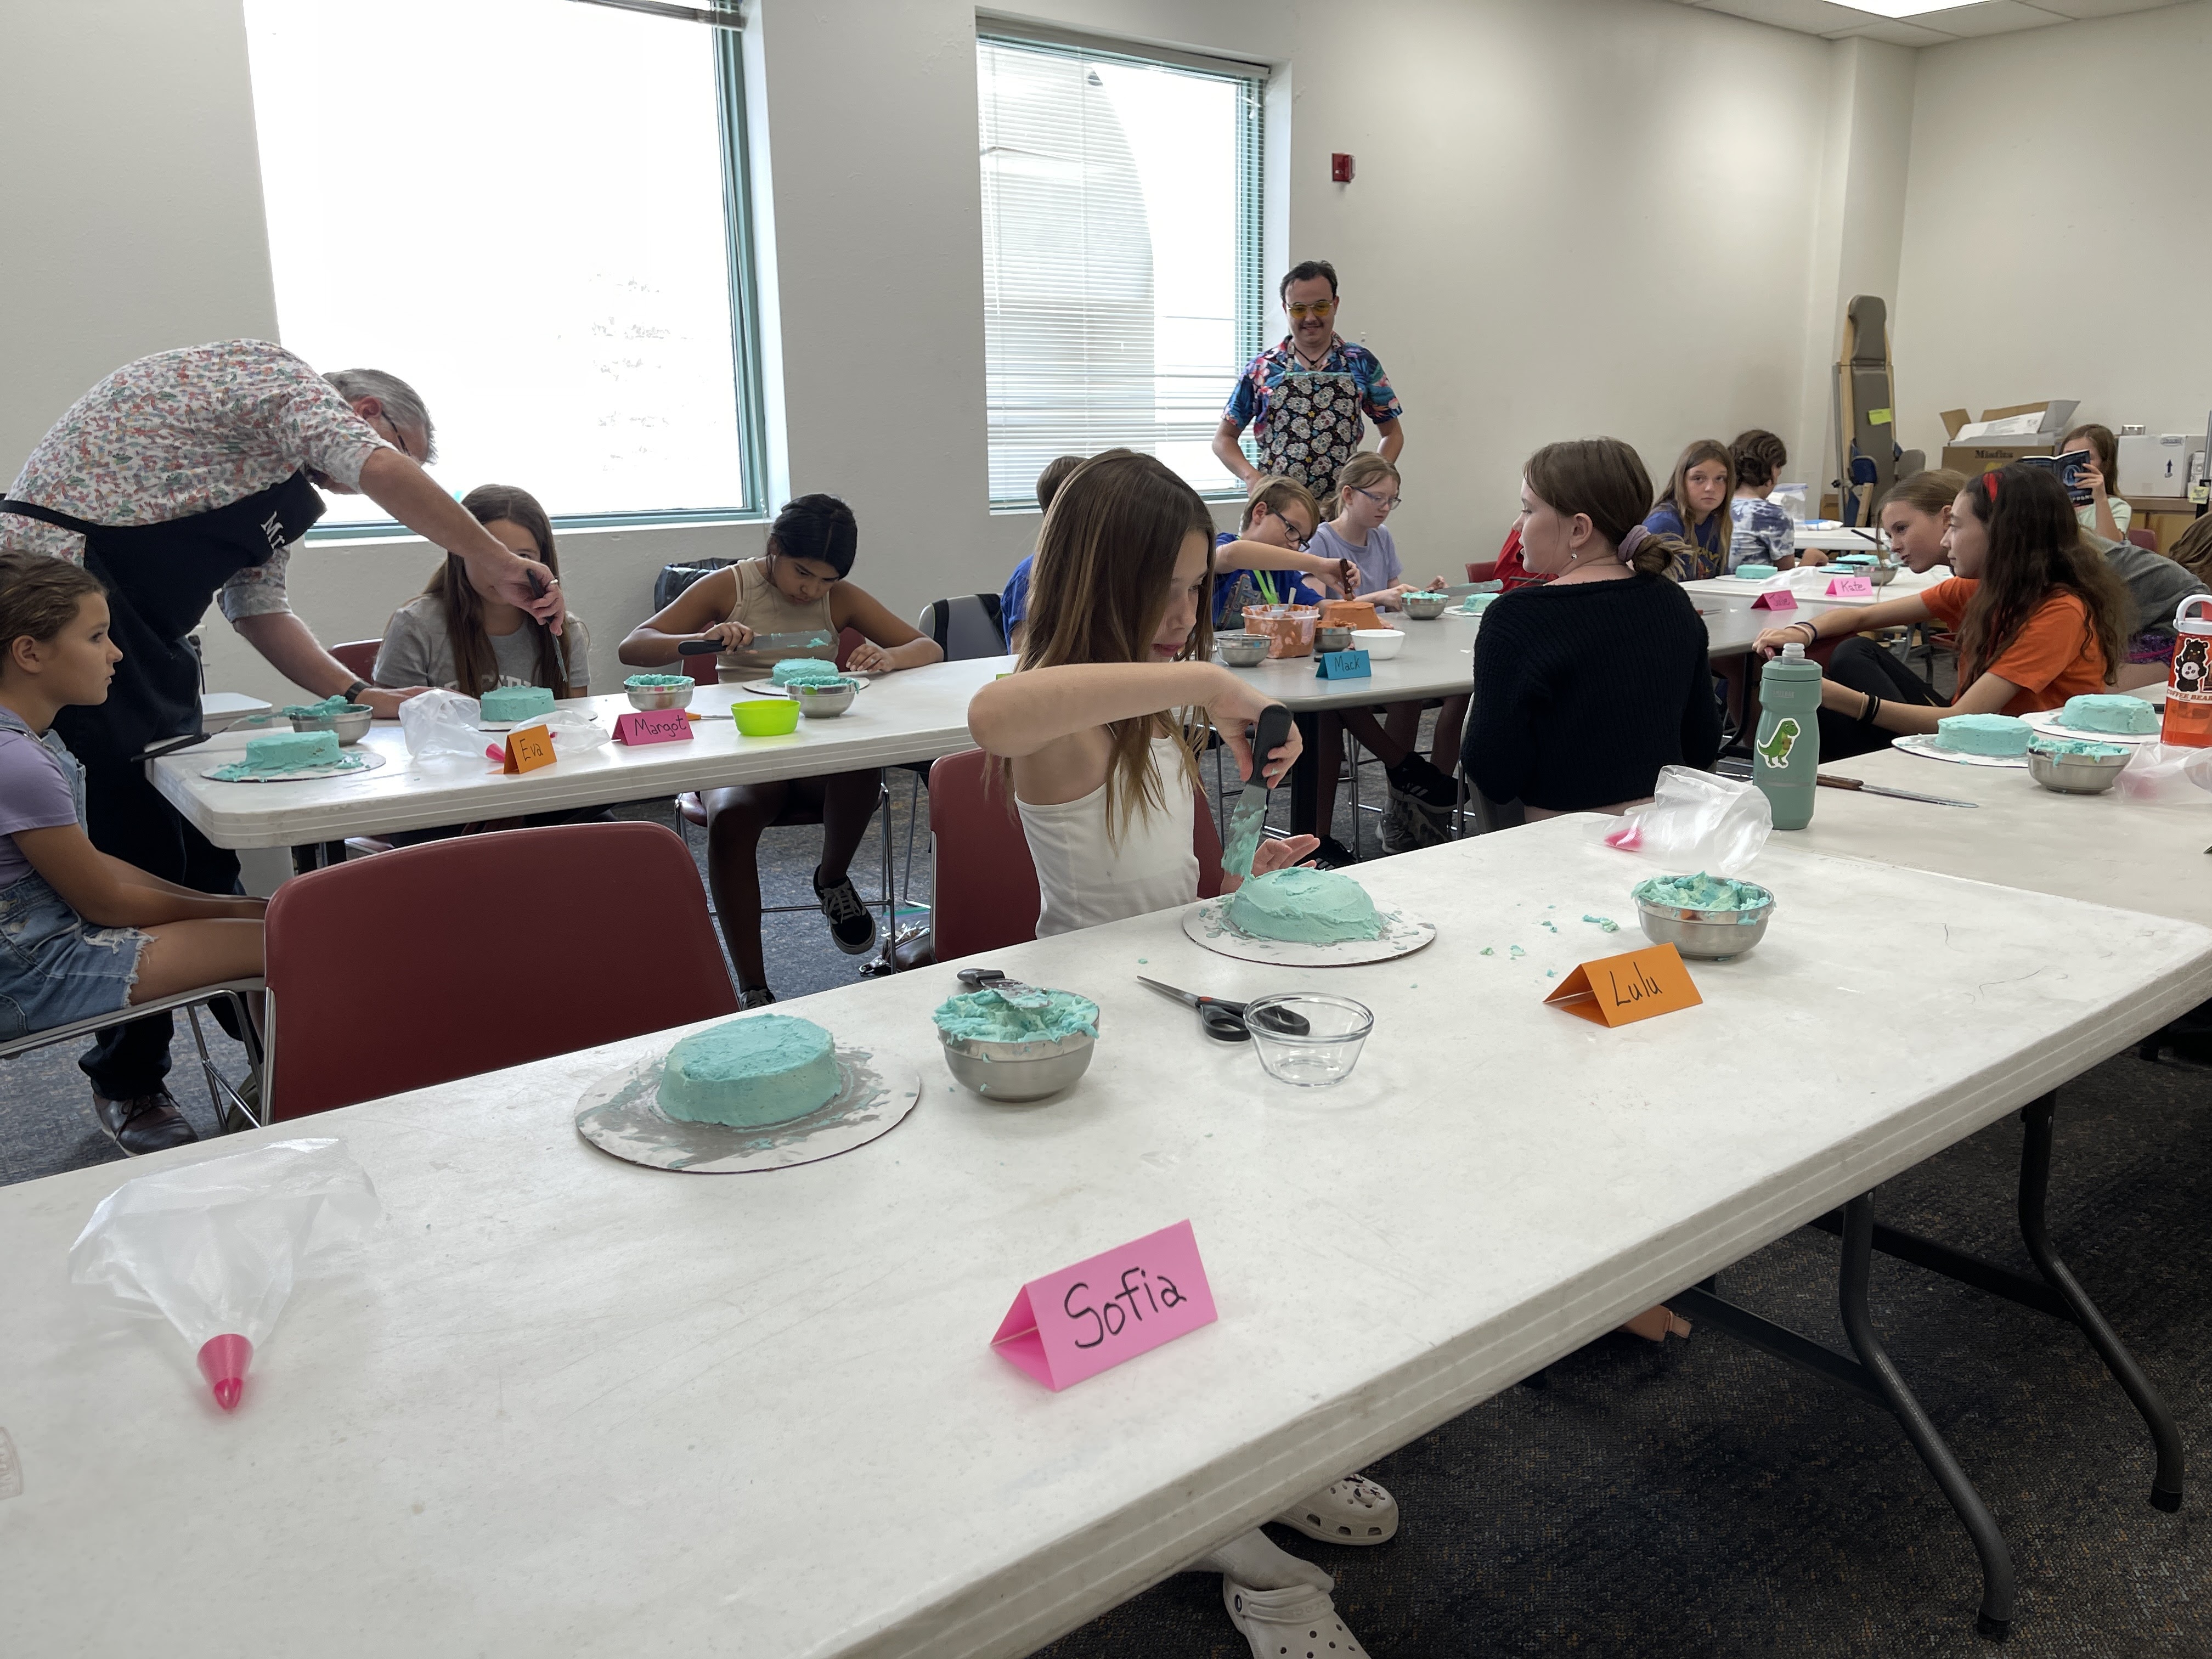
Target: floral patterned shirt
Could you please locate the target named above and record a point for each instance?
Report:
(185, 432)
(1306, 433)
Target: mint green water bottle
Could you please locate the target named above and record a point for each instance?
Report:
(1785, 762)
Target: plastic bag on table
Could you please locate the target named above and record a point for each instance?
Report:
(1697, 821)
(443, 726)
(573, 730)
(214, 1247)
(2167, 771)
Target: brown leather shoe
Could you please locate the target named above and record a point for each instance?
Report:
(144, 1123)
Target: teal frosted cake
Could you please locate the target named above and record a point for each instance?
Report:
(1305, 907)
(517, 702)
(292, 751)
(336, 703)
(2130, 716)
(1982, 734)
(748, 1073)
(805, 670)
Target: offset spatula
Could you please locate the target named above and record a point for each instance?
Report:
(760, 643)
(1270, 733)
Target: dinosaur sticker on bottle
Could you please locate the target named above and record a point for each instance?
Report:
(1774, 748)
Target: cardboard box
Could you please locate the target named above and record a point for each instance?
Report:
(1974, 459)
(2052, 416)
(2154, 464)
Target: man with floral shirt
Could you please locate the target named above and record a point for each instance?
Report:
(1303, 398)
(187, 476)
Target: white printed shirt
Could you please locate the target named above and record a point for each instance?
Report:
(185, 432)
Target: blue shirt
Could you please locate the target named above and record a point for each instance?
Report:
(1014, 602)
(1664, 520)
(1235, 589)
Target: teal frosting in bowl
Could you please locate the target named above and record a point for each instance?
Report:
(990, 1016)
(1702, 892)
(656, 682)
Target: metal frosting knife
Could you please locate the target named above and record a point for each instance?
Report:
(1830, 781)
(1270, 733)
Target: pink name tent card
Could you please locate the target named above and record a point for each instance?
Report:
(1119, 1303)
(1775, 599)
(654, 725)
(1850, 587)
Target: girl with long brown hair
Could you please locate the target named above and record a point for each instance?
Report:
(2039, 618)
(1693, 509)
(464, 638)
(2104, 513)
(1100, 728)
(1915, 516)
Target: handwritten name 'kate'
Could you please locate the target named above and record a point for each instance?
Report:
(1113, 1318)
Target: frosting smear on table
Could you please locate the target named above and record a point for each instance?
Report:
(1036, 1016)
(1303, 907)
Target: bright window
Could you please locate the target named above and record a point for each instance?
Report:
(533, 213)
(1121, 255)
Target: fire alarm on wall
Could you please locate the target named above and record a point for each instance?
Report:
(1339, 169)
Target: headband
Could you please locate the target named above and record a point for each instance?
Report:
(1989, 483)
(1631, 542)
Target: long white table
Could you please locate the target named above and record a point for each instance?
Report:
(575, 1406)
(1809, 586)
(916, 714)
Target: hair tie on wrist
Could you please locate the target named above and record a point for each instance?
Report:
(1873, 707)
(1631, 542)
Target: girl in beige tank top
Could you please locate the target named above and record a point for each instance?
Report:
(798, 587)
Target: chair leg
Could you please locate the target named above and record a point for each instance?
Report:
(231, 1108)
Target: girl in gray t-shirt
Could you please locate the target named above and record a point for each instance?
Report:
(458, 638)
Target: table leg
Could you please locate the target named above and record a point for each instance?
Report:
(305, 857)
(1875, 1375)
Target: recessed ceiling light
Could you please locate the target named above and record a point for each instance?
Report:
(1904, 7)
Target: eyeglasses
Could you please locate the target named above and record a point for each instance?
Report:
(398, 442)
(1391, 505)
(1301, 311)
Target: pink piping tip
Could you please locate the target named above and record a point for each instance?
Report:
(223, 1362)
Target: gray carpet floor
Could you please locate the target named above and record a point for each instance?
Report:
(1699, 1497)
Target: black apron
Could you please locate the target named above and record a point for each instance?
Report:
(160, 578)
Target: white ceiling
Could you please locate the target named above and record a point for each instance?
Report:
(1934, 28)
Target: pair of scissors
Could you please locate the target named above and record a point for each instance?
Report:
(1224, 1021)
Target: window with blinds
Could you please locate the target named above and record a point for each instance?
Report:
(1122, 253)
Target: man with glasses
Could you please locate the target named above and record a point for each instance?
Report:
(1303, 398)
(189, 476)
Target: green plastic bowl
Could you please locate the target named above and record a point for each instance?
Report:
(774, 717)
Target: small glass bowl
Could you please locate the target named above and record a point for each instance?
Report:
(1337, 1030)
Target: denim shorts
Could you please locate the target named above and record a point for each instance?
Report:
(55, 968)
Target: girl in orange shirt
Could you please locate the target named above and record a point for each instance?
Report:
(2038, 616)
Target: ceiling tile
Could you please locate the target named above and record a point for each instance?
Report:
(1896, 33)
(1995, 17)
(2101, 7)
(1805, 16)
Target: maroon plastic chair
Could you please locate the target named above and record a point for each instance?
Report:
(2145, 538)
(358, 657)
(987, 894)
(458, 957)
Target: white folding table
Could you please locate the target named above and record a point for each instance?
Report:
(575, 1406)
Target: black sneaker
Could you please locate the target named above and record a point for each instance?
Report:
(754, 996)
(852, 924)
(1425, 781)
(1331, 854)
(144, 1123)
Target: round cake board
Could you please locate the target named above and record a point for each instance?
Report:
(2049, 724)
(1208, 924)
(1920, 744)
(620, 1114)
(770, 689)
(370, 758)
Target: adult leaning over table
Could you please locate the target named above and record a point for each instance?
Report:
(186, 476)
(1304, 397)
(2039, 618)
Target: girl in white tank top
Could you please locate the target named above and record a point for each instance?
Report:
(1093, 726)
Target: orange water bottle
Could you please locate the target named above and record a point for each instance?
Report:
(2189, 686)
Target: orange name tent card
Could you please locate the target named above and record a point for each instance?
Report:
(1623, 989)
(528, 749)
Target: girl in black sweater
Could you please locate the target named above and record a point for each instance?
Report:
(1585, 687)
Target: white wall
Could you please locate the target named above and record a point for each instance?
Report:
(2056, 242)
(1541, 242)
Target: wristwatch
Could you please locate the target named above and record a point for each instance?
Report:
(353, 692)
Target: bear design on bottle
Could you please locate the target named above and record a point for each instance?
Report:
(2192, 667)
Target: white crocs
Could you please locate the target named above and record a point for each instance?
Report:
(1298, 1623)
(1352, 1510)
